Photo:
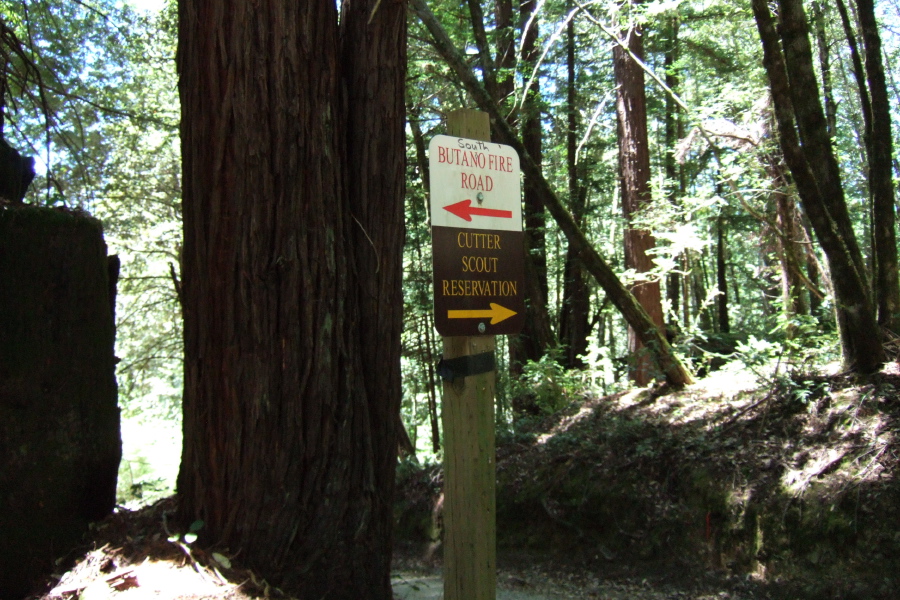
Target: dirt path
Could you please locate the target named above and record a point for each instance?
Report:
(430, 586)
(410, 586)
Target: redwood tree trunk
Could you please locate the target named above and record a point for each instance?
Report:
(634, 174)
(293, 150)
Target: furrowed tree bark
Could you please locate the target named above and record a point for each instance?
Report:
(881, 185)
(634, 178)
(669, 364)
(814, 170)
(373, 42)
(293, 217)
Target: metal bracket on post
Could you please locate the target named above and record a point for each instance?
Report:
(455, 370)
(465, 366)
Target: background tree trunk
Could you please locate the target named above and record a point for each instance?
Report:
(634, 175)
(506, 51)
(881, 185)
(537, 334)
(819, 18)
(427, 324)
(574, 325)
(814, 170)
(859, 75)
(675, 180)
(293, 221)
(788, 236)
(721, 279)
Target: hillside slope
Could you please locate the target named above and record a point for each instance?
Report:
(789, 481)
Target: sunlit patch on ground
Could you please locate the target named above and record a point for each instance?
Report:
(850, 440)
(150, 579)
(133, 555)
(816, 464)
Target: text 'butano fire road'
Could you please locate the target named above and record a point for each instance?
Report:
(478, 244)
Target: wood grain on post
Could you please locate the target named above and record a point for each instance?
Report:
(470, 555)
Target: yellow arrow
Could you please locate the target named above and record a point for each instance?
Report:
(496, 314)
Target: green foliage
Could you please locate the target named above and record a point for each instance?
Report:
(790, 366)
(71, 77)
(92, 94)
(756, 352)
(190, 536)
(545, 385)
(151, 451)
(599, 375)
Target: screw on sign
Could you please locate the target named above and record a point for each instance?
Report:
(478, 244)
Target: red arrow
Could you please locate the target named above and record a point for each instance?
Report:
(464, 210)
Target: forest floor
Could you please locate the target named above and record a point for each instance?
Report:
(777, 482)
(738, 487)
(133, 555)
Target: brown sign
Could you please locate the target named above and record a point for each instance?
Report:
(478, 246)
(478, 281)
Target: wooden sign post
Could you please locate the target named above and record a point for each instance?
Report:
(479, 292)
(470, 505)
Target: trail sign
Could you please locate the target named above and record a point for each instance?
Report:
(477, 241)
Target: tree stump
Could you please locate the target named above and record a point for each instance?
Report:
(60, 443)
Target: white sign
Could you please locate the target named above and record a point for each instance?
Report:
(474, 184)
